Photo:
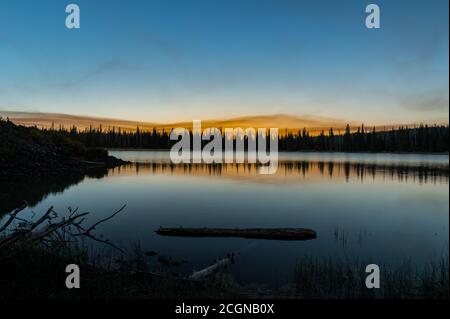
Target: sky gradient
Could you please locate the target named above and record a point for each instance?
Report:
(177, 60)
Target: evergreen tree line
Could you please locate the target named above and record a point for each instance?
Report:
(421, 139)
(424, 138)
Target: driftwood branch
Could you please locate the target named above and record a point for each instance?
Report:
(103, 220)
(213, 269)
(13, 216)
(28, 232)
(103, 241)
(87, 232)
(54, 227)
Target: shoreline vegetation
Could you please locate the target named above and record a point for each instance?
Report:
(32, 251)
(36, 252)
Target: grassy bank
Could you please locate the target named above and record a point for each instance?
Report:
(39, 271)
(328, 278)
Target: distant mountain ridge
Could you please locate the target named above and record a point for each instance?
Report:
(314, 124)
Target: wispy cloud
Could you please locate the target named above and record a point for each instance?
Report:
(165, 47)
(430, 101)
(422, 47)
(113, 65)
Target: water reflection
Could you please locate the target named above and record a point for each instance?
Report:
(14, 191)
(370, 207)
(296, 171)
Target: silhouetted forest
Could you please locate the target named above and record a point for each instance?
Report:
(423, 138)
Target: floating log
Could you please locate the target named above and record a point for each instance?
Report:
(255, 233)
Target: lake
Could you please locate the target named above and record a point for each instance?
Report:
(381, 208)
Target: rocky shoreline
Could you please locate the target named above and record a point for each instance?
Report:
(27, 151)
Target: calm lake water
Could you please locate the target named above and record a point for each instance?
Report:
(372, 208)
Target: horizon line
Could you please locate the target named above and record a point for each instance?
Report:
(314, 124)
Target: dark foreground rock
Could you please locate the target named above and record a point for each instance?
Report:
(26, 151)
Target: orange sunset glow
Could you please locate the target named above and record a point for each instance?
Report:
(285, 123)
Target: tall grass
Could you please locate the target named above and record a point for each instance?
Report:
(332, 279)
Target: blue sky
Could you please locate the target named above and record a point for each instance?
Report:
(179, 60)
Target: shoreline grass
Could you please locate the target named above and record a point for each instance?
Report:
(38, 272)
(331, 279)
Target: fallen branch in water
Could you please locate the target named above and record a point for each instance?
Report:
(87, 232)
(13, 216)
(27, 233)
(221, 264)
